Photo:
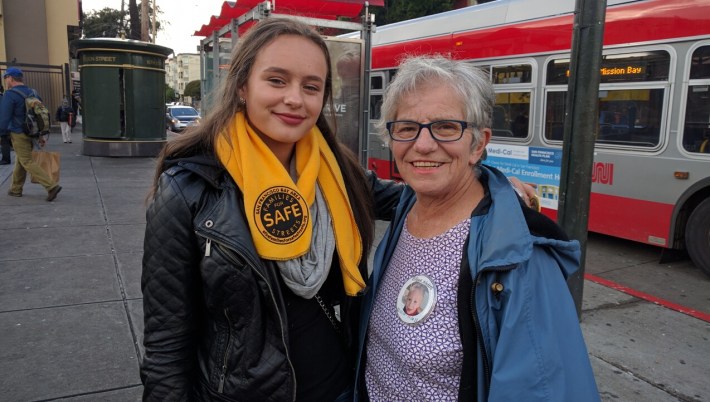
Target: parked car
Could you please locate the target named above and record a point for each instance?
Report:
(178, 118)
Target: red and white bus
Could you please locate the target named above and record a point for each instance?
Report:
(651, 179)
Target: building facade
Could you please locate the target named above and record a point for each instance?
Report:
(180, 70)
(42, 52)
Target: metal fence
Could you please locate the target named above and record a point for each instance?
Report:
(50, 82)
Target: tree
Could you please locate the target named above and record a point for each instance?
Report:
(192, 89)
(111, 23)
(158, 23)
(144, 21)
(104, 23)
(135, 20)
(169, 93)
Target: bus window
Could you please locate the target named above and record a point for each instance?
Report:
(700, 64)
(377, 89)
(375, 105)
(631, 95)
(555, 115)
(513, 86)
(511, 115)
(696, 130)
(514, 74)
(628, 117)
(376, 82)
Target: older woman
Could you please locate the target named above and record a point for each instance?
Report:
(499, 323)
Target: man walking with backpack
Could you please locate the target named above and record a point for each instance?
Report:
(4, 140)
(65, 115)
(12, 120)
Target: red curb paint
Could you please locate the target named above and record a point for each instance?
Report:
(645, 296)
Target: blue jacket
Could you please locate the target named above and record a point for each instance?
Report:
(532, 344)
(12, 110)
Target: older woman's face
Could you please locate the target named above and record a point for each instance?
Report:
(434, 169)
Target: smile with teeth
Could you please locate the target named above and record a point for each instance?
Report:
(426, 164)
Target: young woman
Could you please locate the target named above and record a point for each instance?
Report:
(258, 227)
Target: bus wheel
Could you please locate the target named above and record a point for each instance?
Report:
(697, 236)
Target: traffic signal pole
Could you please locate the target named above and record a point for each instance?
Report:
(580, 130)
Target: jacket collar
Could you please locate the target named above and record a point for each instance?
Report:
(203, 165)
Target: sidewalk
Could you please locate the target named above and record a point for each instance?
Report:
(71, 311)
(70, 301)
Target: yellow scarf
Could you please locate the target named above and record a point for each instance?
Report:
(278, 210)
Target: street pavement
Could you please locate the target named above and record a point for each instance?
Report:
(71, 310)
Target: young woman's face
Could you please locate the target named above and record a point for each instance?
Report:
(284, 92)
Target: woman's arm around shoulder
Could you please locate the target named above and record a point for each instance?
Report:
(385, 194)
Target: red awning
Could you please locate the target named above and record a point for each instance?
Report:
(324, 9)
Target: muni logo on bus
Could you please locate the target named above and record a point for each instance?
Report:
(603, 173)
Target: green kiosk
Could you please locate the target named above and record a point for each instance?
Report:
(122, 96)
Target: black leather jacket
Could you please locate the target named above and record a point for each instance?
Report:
(215, 323)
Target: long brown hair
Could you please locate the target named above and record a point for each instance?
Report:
(201, 139)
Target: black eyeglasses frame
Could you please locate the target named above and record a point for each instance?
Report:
(464, 126)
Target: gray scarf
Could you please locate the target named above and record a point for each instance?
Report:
(306, 274)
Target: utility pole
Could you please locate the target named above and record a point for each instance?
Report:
(144, 20)
(580, 130)
(121, 30)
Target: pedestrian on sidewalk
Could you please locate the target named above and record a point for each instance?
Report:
(65, 116)
(12, 118)
(76, 101)
(76, 105)
(4, 139)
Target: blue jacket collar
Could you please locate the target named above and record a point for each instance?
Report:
(502, 231)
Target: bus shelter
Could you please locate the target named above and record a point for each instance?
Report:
(350, 57)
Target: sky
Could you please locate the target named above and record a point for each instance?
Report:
(181, 18)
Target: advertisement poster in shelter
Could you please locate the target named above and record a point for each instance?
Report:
(347, 62)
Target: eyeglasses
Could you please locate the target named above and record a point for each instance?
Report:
(441, 130)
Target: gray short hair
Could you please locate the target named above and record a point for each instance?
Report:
(472, 86)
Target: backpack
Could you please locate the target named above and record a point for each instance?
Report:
(36, 115)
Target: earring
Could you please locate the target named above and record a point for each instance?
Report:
(242, 101)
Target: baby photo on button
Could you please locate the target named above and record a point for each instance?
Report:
(416, 299)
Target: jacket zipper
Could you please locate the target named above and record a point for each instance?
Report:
(477, 325)
(222, 376)
(252, 264)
